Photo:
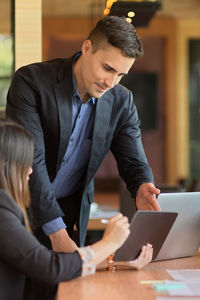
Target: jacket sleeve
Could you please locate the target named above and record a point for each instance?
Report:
(128, 151)
(23, 252)
(23, 107)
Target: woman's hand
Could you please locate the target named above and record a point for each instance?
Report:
(143, 259)
(117, 231)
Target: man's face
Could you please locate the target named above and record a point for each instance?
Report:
(103, 69)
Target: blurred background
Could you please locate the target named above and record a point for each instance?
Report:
(165, 83)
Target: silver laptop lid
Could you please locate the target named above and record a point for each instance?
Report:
(184, 238)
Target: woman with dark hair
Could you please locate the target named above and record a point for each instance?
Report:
(28, 270)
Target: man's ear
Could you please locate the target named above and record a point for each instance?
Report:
(86, 46)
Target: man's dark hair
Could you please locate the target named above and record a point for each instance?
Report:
(119, 33)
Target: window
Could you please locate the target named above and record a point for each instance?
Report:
(6, 51)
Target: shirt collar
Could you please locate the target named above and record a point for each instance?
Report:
(76, 94)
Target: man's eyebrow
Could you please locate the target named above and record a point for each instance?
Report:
(113, 69)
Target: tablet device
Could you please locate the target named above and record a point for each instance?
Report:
(147, 227)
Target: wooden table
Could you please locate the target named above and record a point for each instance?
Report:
(123, 284)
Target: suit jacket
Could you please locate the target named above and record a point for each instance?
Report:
(40, 98)
(28, 270)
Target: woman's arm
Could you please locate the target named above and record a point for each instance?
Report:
(21, 251)
(115, 234)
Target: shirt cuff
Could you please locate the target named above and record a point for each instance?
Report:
(53, 226)
(87, 255)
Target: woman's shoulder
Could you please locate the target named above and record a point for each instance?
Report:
(5, 198)
(7, 202)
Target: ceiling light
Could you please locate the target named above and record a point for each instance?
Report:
(131, 14)
(143, 10)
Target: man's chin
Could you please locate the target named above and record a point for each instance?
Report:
(98, 94)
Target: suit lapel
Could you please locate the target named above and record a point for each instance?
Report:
(101, 127)
(64, 94)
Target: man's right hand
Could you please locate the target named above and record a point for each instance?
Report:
(61, 242)
(146, 197)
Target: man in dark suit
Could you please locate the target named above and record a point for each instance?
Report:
(77, 111)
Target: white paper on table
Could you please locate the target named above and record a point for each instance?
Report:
(191, 278)
(191, 289)
(185, 275)
(102, 211)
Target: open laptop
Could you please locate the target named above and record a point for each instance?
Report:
(184, 237)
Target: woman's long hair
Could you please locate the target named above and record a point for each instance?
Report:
(16, 157)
